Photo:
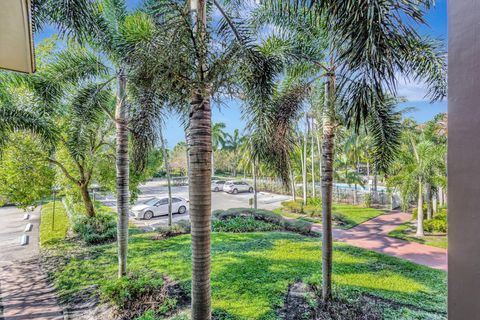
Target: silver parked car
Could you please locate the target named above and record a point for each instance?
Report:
(159, 207)
(236, 187)
(217, 185)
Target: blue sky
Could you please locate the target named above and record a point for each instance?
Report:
(230, 112)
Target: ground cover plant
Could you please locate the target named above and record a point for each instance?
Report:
(53, 229)
(345, 216)
(251, 273)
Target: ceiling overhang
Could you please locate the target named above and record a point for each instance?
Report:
(16, 37)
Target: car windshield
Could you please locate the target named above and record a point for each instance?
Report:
(151, 202)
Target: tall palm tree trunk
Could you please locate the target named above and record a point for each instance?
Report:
(312, 156)
(420, 232)
(292, 181)
(254, 173)
(428, 200)
(327, 186)
(169, 177)
(199, 150)
(122, 164)
(304, 162)
(440, 196)
(434, 204)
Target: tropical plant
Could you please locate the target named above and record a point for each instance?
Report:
(361, 74)
(205, 52)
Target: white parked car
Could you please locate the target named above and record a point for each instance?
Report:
(217, 185)
(159, 207)
(236, 187)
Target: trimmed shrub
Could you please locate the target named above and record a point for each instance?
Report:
(313, 210)
(298, 226)
(294, 206)
(249, 220)
(438, 224)
(243, 224)
(94, 230)
(259, 214)
(176, 229)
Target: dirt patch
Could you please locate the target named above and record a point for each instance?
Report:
(302, 303)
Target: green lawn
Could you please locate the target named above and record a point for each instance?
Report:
(53, 233)
(407, 232)
(351, 215)
(251, 272)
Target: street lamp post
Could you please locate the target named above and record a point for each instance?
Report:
(55, 189)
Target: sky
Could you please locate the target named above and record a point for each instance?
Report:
(230, 111)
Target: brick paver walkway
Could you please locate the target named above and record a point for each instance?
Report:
(372, 235)
(24, 290)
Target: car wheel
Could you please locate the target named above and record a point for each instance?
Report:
(216, 189)
(182, 210)
(250, 190)
(235, 191)
(148, 215)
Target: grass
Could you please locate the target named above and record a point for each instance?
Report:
(50, 233)
(251, 272)
(352, 215)
(355, 215)
(407, 232)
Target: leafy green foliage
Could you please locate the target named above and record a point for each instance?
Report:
(53, 229)
(135, 285)
(24, 177)
(98, 229)
(242, 224)
(438, 223)
(251, 272)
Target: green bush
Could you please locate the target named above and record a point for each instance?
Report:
(177, 228)
(313, 210)
(122, 291)
(294, 206)
(258, 214)
(314, 202)
(98, 229)
(139, 295)
(298, 226)
(243, 224)
(438, 223)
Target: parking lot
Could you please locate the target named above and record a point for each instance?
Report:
(220, 200)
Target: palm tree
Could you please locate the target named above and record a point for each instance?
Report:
(107, 27)
(368, 45)
(75, 104)
(233, 143)
(218, 140)
(186, 77)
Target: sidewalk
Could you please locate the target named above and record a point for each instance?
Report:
(24, 290)
(372, 235)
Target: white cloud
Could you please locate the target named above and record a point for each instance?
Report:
(412, 90)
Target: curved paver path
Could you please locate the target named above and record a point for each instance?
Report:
(372, 235)
(24, 290)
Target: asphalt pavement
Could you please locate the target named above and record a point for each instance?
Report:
(220, 200)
